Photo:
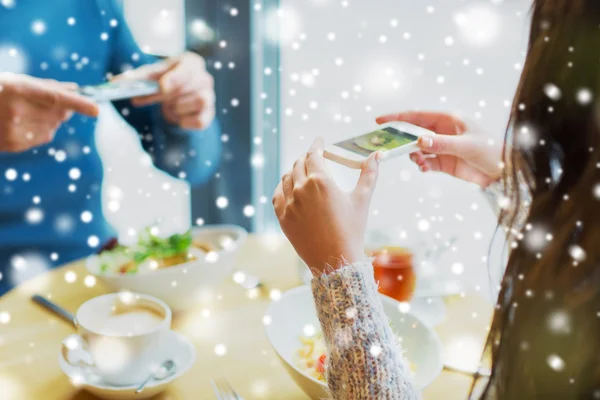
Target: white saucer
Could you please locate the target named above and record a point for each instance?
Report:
(178, 348)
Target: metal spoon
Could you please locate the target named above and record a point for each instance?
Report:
(165, 370)
(54, 308)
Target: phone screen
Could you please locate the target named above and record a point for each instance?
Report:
(120, 90)
(379, 140)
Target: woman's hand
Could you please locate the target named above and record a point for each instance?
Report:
(467, 156)
(325, 225)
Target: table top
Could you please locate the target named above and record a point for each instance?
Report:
(30, 336)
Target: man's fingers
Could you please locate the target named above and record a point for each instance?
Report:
(174, 79)
(198, 121)
(77, 103)
(143, 101)
(50, 97)
(60, 85)
(193, 103)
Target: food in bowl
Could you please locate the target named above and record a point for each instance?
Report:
(182, 286)
(294, 315)
(311, 357)
(152, 252)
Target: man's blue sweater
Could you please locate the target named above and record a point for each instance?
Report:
(44, 191)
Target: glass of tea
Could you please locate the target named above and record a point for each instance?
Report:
(395, 272)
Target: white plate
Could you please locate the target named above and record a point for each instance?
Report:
(295, 309)
(177, 348)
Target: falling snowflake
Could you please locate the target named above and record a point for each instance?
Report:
(457, 268)
(86, 217)
(70, 276)
(309, 330)
(220, 350)
(60, 156)
(34, 215)
(249, 211)
(559, 322)
(4, 317)
(74, 173)
(275, 294)
(211, 257)
(577, 253)
(222, 202)
(11, 174)
(526, 137)
(375, 350)
(404, 307)
(38, 27)
(584, 96)
(555, 362)
(93, 241)
(536, 239)
(552, 91)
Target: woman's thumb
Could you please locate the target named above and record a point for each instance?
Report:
(368, 176)
(445, 144)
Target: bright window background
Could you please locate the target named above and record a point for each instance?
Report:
(345, 62)
(136, 194)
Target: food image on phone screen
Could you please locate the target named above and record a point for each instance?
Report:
(379, 140)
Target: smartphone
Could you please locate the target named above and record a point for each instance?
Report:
(392, 139)
(111, 91)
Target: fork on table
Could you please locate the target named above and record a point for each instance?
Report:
(224, 391)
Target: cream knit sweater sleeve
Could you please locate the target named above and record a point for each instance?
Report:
(364, 357)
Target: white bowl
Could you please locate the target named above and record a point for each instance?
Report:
(181, 286)
(295, 309)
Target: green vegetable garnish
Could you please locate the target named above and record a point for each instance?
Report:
(152, 246)
(149, 246)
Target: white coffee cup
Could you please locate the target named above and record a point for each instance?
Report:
(120, 337)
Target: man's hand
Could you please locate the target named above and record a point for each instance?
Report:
(32, 109)
(186, 93)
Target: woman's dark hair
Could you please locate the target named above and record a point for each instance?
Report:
(544, 340)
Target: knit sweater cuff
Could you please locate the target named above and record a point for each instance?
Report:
(364, 357)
